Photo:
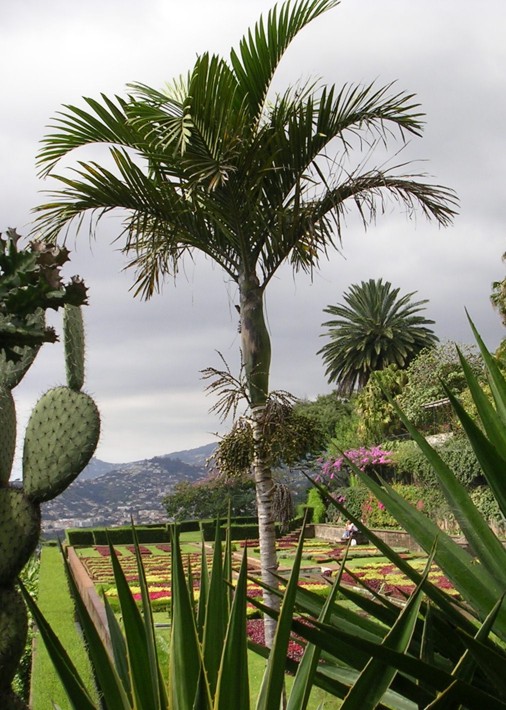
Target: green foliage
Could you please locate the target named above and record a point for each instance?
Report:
(21, 682)
(30, 283)
(210, 499)
(76, 537)
(235, 531)
(346, 434)
(374, 329)
(429, 375)
(315, 501)
(124, 536)
(377, 418)
(456, 451)
(327, 411)
(486, 503)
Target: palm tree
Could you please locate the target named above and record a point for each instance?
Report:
(216, 164)
(374, 329)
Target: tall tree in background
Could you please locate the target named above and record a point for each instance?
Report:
(375, 328)
(251, 179)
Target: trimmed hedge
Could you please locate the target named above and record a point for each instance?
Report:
(243, 527)
(123, 535)
(247, 531)
(79, 536)
(117, 536)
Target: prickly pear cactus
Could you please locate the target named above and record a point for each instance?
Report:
(60, 439)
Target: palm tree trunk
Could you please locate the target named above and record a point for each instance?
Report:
(256, 352)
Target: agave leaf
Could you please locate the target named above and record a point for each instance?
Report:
(449, 699)
(491, 658)
(216, 616)
(71, 681)
(157, 682)
(227, 563)
(474, 582)
(233, 683)
(492, 423)
(479, 535)
(108, 680)
(119, 649)
(186, 678)
(203, 592)
(377, 676)
(491, 457)
(455, 562)
(494, 374)
(271, 689)
(136, 640)
(337, 680)
(330, 639)
(304, 678)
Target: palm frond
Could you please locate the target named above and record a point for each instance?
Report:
(261, 50)
(75, 127)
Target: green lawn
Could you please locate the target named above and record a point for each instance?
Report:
(57, 606)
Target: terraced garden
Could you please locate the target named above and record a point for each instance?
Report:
(321, 560)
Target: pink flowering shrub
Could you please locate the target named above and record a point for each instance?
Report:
(362, 458)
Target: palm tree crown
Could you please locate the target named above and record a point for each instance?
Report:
(374, 329)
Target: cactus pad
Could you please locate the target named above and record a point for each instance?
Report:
(7, 434)
(19, 532)
(13, 630)
(61, 437)
(74, 346)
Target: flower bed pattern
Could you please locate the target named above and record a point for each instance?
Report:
(379, 576)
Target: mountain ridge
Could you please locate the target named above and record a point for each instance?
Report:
(112, 494)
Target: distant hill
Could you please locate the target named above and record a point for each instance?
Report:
(97, 468)
(108, 494)
(195, 457)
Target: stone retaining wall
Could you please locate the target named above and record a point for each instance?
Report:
(394, 538)
(91, 599)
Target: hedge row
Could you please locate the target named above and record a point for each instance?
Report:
(117, 536)
(145, 533)
(247, 531)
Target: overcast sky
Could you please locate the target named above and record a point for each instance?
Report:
(144, 359)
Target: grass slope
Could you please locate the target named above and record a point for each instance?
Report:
(58, 608)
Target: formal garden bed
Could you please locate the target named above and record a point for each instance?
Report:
(365, 566)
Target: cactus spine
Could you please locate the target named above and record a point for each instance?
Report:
(61, 436)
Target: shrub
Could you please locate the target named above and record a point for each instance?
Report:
(248, 531)
(456, 451)
(485, 502)
(314, 501)
(78, 536)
